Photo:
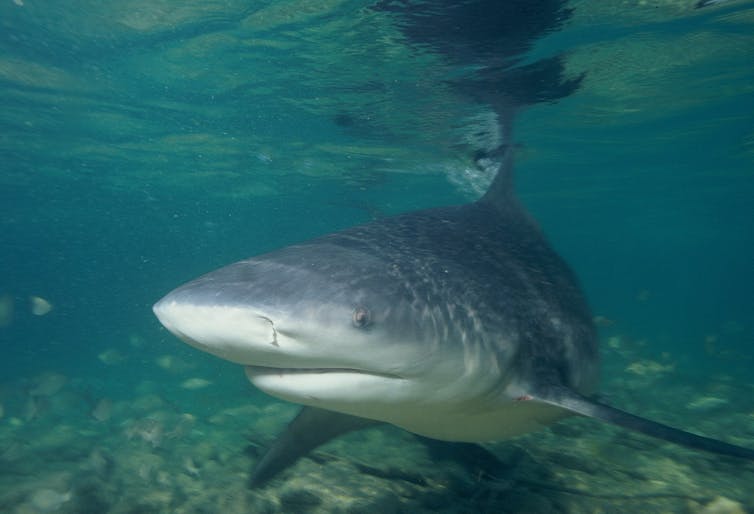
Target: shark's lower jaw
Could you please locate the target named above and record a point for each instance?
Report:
(333, 388)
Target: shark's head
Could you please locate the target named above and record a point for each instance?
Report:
(325, 325)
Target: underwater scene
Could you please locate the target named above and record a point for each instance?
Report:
(144, 144)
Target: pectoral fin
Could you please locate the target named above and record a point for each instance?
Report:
(311, 428)
(574, 402)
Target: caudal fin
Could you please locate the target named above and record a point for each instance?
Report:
(572, 401)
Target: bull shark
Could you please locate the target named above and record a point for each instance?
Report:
(455, 323)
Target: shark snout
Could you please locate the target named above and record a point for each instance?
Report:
(162, 310)
(231, 332)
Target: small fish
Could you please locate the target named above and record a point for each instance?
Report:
(103, 410)
(136, 341)
(100, 462)
(173, 364)
(111, 357)
(48, 500)
(193, 384)
(190, 466)
(148, 430)
(164, 361)
(647, 367)
(602, 321)
(39, 306)
(32, 408)
(706, 403)
(6, 310)
(48, 384)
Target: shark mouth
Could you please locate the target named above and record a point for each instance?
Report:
(257, 371)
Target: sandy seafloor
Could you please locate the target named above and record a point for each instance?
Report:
(185, 440)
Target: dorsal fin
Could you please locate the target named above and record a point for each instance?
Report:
(501, 190)
(500, 194)
(574, 402)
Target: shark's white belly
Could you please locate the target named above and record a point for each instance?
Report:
(511, 419)
(453, 416)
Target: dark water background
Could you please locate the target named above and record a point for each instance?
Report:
(145, 143)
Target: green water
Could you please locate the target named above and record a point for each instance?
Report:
(145, 143)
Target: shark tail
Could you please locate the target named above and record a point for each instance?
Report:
(574, 402)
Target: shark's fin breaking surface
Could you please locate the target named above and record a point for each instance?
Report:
(501, 189)
(574, 402)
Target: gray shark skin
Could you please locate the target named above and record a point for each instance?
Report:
(455, 323)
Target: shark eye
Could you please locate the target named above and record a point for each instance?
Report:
(361, 317)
